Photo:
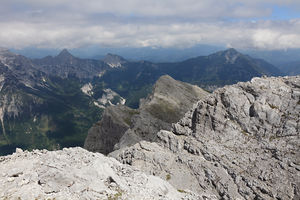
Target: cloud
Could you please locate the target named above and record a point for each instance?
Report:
(278, 36)
(140, 23)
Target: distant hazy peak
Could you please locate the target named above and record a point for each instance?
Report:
(110, 56)
(231, 50)
(64, 54)
(114, 60)
(229, 54)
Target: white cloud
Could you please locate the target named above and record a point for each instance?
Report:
(139, 23)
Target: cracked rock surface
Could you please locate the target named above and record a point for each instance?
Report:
(75, 173)
(241, 142)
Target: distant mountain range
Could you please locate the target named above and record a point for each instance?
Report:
(51, 102)
(275, 57)
(134, 79)
(144, 53)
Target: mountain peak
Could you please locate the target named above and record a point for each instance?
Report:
(230, 55)
(114, 60)
(64, 53)
(113, 56)
(231, 50)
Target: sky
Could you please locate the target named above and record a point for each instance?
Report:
(243, 24)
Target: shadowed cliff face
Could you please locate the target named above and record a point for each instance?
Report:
(122, 126)
(241, 142)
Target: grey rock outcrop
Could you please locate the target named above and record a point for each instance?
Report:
(121, 126)
(241, 142)
(75, 173)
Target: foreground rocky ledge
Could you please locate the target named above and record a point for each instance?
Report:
(75, 173)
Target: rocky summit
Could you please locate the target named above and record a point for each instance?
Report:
(241, 142)
(75, 173)
(121, 126)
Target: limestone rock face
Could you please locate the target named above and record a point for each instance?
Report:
(241, 142)
(121, 126)
(75, 173)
